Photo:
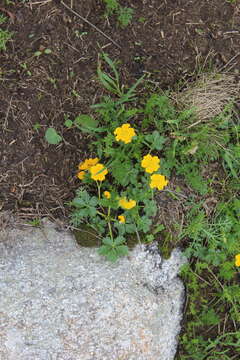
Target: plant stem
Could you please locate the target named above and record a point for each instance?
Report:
(102, 214)
(109, 223)
(138, 237)
(99, 187)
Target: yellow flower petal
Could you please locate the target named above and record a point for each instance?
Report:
(124, 133)
(237, 260)
(121, 219)
(88, 163)
(107, 194)
(98, 172)
(125, 204)
(150, 163)
(158, 181)
(81, 175)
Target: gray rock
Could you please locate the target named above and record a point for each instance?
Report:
(59, 301)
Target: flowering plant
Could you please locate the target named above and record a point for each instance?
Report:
(116, 196)
(123, 202)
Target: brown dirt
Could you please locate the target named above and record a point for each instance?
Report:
(176, 40)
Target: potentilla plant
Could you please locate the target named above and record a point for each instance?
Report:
(116, 196)
(117, 193)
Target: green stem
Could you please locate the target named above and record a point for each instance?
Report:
(145, 143)
(109, 223)
(99, 188)
(99, 194)
(102, 214)
(138, 237)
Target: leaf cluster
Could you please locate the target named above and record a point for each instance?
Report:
(212, 284)
(124, 14)
(5, 36)
(126, 178)
(113, 248)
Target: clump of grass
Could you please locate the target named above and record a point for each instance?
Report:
(3, 19)
(209, 95)
(124, 14)
(5, 35)
(209, 136)
(213, 307)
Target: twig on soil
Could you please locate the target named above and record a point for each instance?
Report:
(89, 23)
(40, 2)
(231, 60)
(70, 227)
(176, 193)
(30, 183)
(5, 124)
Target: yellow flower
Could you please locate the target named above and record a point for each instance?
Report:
(81, 174)
(88, 163)
(237, 260)
(107, 194)
(158, 181)
(150, 163)
(97, 172)
(124, 133)
(121, 219)
(125, 204)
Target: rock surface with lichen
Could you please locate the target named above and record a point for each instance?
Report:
(60, 301)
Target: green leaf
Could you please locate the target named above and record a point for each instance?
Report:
(92, 211)
(125, 16)
(121, 228)
(85, 121)
(80, 214)
(122, 250)
(150, 208)
(52, 136)
(109, 252)
(104, 250)
(227, 270)
(68, 123)
(229, 162)
(129, 96)
(99, 150)
(121, 171)
(112, 84)
(108, 82)
(47, 51)
(130, 228)
(149, 238)
(112, 255)
(119, 240)
(78, 202)
(111, 65)
(159, 228)
(144, 224)
(210, 318)
(131, 112)
(108, 241)
(111, 6)
(155, 140)
(37, 53)
(93, 201)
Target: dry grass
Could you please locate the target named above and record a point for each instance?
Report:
(209, 95)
